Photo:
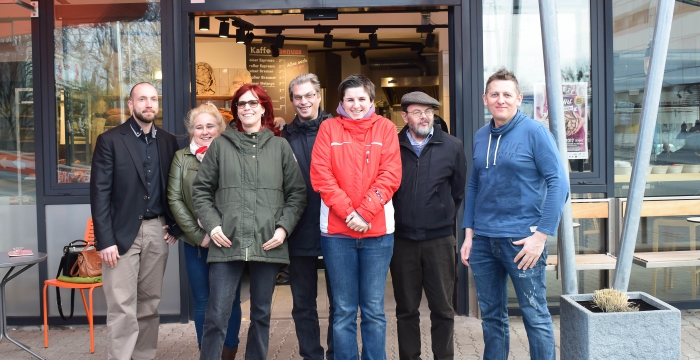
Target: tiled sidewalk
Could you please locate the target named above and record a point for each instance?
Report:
(178, 341)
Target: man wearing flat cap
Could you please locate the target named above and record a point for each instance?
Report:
(432, 189)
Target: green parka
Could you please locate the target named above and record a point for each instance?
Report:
(183, 171)
(250, 184)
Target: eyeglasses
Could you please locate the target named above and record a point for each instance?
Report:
(308, 96)
(251, 103)
(418, 113)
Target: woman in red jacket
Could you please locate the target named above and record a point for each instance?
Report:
(356, 167)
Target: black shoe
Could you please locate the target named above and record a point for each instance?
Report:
(282, 280)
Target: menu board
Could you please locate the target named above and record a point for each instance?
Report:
(275, 73)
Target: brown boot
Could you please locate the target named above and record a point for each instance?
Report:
(229, 354)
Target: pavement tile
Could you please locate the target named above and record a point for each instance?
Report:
(178, 341)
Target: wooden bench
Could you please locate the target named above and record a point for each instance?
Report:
(588, 209)
(668, 259)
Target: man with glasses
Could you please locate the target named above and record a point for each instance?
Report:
(305, 240)
(432, 189)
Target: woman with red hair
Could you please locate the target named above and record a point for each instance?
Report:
(249, 194)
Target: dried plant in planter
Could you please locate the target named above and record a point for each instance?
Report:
(611, 300)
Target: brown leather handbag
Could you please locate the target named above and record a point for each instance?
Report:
(89, 263)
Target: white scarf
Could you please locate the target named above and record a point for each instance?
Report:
(196, 150)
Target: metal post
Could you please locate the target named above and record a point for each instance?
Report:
(640, 165)
(555, 102)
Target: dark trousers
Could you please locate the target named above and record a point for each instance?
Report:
(224, 279)
(424, 265)
(303, 277)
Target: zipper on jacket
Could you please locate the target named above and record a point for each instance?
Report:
(367, 156)
(415, 192)
(246, 254)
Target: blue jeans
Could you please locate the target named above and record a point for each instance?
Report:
(491, 262)
(224, 280)
(303, 278)
(198, 274)
(358, 269)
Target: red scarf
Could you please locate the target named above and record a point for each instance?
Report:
(201, 150)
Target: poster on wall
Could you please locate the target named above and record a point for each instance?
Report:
(575, 115)
(275, 73)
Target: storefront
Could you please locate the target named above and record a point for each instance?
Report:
(66, 75)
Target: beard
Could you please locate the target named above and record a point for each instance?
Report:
(146, 118)
(420, 131)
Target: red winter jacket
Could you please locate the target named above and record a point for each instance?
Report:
(356, 166)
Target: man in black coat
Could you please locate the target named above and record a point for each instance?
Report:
(305, 240)
(133, 223)
(434, 172)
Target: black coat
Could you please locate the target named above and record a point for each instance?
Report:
(117, 186)
(432, 187)
(305, 240)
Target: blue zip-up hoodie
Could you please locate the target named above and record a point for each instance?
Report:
(517, 181)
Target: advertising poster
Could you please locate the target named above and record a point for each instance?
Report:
(575, 115)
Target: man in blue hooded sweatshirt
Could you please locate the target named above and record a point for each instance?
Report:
(520, 186)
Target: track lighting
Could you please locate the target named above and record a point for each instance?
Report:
(204, 23)
(430, 40)
(223, 29)
(328, 41)
(679, 95)
(279, 41)
(363, 57)
(249, 37)
(275, 51)
(355, 53)
(373, 40)
(240, 36)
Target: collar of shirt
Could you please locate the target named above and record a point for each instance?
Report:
(138, 131)
(421, 143)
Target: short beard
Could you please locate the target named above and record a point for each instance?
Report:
(420, 132)
(139, 116)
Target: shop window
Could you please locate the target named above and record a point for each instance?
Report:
(675, 159)
(102, 49)
(512, 39)
(17, 169)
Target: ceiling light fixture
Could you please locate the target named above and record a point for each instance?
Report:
(249, 37)
(279, 41)
(373, 40)
(223, 29)
(430, 40)
(240, 36)
(328, 41)
(275, 51)
(204, 23)
(363, 57)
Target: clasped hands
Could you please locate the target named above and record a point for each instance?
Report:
(355, 222)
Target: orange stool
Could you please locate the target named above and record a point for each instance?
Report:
(88, 309)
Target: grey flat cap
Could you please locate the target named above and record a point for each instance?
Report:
(418, 97)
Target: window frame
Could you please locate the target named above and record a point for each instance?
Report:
(49, 153)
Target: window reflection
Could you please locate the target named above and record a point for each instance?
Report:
(512, 39)
(17, 169)
(675, 158)
(102, 49)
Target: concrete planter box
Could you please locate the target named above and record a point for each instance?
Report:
(653, 335)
